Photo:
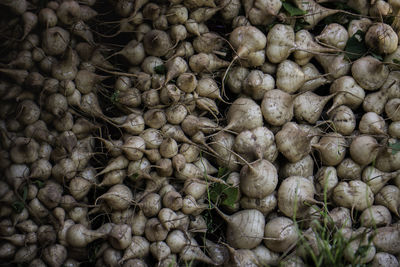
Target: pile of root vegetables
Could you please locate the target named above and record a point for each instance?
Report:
(199, 133)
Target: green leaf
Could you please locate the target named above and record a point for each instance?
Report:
(215, 192)
(378, 57)
(300, 24)
(292, 10)
(160, 69)
(39, 184)
(396, 61)
(222, 171)
(362, 250)
(230, 196)
(395, 147)
(389, 20)
(18, 206)
(134, 176)
(226, 195)
(114, 97)
(355, 46)
(221, 193)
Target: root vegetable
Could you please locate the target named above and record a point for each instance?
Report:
(68, 12)
(280, 42)
(289, 77)
(372, 123)
(19, 76)
(386, 160)
(316, 12)
(369, 73)
(82, 30)
(293, 194)
(277, 107)
(192, 252)
(354, 194)
(64, 169)
(348, 93)
(78, 235)
(155, 231)
(389, 196)
(305, 47)
(387, 239)
(259, 179)
(303, 167)
(133, 147)
(150, 204)
(139, 248)
(343, 120)
(348, 170)
(303, 102)
(341, 218)
(358, 25)
(55, 255)
(350, 252)
(205, 166)
(376, 216)
(334, 65)
(17, 7)
(377, 179)
(332, 149)
(247, 39)
(313, 78)
(111, 257)
(293, 142)
(256, 144)
(392, 109)
(394, 129)
(266, 256)
(203, 62)
(264, 205)
(280, 234)
(364, 149)
(55, 41)
(26, 253)
(384, 259)
(334, 35)
(120, 236)
(327, 180)
(195, 188)
(118, 197)
(222, 145)
(172, 200)
(382, 38)
(160, 250)
(245, 228)
(157, 43)
(257, 83)
(208, 43)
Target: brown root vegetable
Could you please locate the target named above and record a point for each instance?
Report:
(280, 234)
(245, 228)
(369, 73)
(259, 179)
(293, 195)
(376, 216)
(364, 149)
(332, 149)
(382, 38)
(384, 259)
(293, 142)
(354, 194)
(387, 239)
(389, 196)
